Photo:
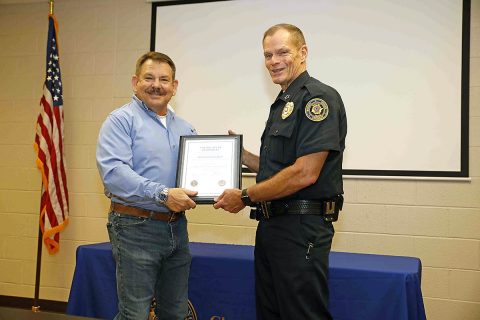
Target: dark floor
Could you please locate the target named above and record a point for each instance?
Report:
(24, 314)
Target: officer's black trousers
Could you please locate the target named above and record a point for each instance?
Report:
(291, 279)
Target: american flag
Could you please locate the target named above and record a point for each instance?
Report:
(49, 148)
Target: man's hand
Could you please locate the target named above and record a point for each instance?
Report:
(230, 200)
(179, 199)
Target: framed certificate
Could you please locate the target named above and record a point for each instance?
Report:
(209, 164)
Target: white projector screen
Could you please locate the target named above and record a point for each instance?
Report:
(396, 64)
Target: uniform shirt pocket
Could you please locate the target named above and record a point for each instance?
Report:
(281, 146)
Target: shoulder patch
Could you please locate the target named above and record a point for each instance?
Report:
(316, 109)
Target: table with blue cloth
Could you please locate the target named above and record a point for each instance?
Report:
(221, 285)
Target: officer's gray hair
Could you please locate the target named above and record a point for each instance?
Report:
(295, 33)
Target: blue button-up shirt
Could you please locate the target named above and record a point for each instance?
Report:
(137, 155)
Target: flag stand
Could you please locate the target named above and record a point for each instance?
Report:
(36, 306)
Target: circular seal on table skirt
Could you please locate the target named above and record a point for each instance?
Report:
(192, 314)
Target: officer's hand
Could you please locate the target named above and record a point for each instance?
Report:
(179, 199)
(230, 200)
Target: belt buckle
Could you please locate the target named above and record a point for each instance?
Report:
(151, 215)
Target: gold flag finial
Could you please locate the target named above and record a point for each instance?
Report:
(51, 6)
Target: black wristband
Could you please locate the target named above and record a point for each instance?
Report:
(246, 199)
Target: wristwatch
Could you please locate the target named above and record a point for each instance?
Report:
(162, 196)
(246, 199)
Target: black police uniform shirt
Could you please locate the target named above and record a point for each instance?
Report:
(316, 123)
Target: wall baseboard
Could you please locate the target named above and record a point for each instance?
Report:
(27, 303)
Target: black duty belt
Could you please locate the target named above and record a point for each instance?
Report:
(329, 208)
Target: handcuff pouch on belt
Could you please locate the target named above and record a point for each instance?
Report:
(329, 208)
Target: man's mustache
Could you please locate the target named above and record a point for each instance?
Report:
(157, 91)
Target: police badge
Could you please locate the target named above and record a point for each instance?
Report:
(316, 109)
(287, 110)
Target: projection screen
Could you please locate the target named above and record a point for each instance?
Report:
(398, 65)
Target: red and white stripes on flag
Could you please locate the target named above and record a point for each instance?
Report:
(49, 148)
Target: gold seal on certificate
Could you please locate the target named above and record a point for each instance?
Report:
(209, 164)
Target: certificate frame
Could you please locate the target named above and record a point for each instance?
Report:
(209, 164)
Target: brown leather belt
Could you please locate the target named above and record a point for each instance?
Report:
(138, 212)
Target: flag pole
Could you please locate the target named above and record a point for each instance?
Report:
(36, 305)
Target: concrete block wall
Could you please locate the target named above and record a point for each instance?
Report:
(100, 40)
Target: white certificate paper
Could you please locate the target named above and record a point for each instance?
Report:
(209, 165)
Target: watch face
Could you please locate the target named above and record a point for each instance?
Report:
(163, 195)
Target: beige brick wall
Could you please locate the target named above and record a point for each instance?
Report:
(437, 221)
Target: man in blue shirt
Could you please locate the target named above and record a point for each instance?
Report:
(137, 155)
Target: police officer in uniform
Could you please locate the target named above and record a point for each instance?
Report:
(299, 186)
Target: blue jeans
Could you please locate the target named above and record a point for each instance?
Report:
(153, 260)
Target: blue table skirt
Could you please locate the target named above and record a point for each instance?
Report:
(362, 286)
